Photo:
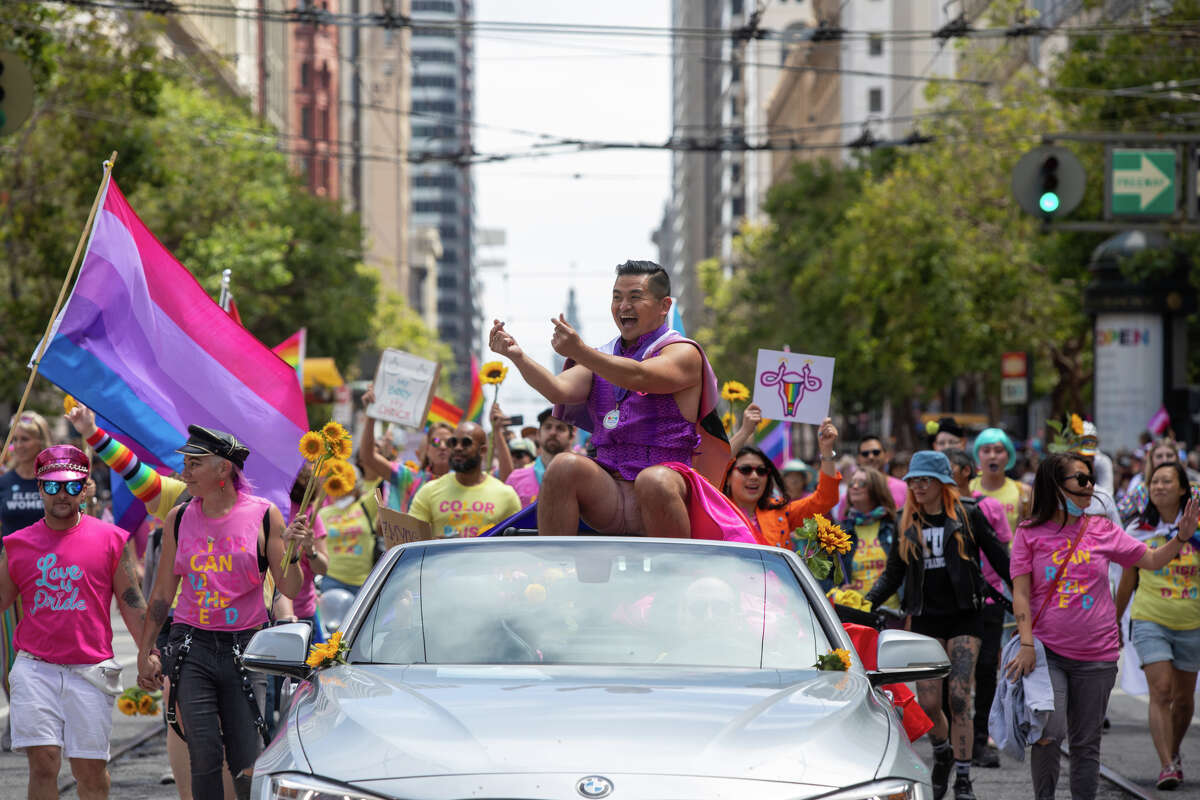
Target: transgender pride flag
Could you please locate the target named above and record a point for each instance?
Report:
(142, 344)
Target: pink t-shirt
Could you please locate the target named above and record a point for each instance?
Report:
(304, 604)
(1080, 621)
(524, 481)
(994, 513)
(66, 583)
(218, 559)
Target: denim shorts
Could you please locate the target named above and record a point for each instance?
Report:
(1155, 642)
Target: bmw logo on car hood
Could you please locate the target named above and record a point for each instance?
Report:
(594, 786)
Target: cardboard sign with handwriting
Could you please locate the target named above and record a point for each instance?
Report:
(397, 528)
(793, 387)
(404, 386)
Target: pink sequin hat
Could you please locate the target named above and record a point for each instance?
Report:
(62, 462)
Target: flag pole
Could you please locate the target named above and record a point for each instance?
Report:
(62, 294)
(223, 302)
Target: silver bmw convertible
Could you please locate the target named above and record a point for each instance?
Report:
(591, 667)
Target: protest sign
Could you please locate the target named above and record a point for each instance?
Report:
(404, 387)
(793, 387)
(397, 528)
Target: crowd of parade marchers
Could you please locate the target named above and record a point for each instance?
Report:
(1037, 569)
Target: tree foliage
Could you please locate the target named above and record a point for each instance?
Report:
(202, 172)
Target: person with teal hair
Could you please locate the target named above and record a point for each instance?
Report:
(995, 455)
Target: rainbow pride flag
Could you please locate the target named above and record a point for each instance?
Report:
(292, 350)
(772, 440)
(475, 403)
(141, 343)
(441, 411)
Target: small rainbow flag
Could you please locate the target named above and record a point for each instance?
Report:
(292, 349)
(441, 411)
(771, 440)
(475, 404)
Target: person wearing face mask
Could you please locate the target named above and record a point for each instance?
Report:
(1137, 495)
(467, 501)
(1166, 619)
(1060, 563)
(755, 486)
(936, 560)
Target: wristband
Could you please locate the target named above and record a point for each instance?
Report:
(1026, 645)
(154, 651)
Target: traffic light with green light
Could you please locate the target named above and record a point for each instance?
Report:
(16, 92)
(1048, 182)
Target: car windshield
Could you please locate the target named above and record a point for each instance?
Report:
(632, 602)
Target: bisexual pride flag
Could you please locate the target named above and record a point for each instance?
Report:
(142, 344)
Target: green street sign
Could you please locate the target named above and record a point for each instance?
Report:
(1142, 182)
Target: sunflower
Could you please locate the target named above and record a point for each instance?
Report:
(127, 706)
(1076, 425)
(493, 373)
(145, 705)
(312, 445)
(831, 537)
(844, 656)
(68, 404)
(345, 470)
(341, 448)
(333, 431)
(727, 421)
(337, 486)
(326, 653)
(735, 392)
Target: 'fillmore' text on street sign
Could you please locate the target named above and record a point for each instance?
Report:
(1142, 182)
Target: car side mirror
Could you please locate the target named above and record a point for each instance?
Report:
(280, 650)
(902, 656)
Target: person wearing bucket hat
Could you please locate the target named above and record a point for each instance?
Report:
(796, 477)
(222, 542)
(936, 560)
(995, 455)
(66, 568)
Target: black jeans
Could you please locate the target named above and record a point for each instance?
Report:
(217, 717)
(986, 668)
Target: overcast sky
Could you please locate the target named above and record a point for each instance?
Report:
(569, 219)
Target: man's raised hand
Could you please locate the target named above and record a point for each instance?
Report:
(83, 420)
(565, 341)
(502, 342)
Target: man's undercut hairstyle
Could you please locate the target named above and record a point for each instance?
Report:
(660, 281)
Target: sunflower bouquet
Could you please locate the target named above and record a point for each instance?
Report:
(1066, 433)
(135, 701)
(734, 392)
(836, 661)
(819, 543)
(325, 654)
(327, 450)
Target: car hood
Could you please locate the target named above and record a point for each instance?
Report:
(388, 722)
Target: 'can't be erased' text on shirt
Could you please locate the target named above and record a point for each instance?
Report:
(1080, 620)
(66, 583)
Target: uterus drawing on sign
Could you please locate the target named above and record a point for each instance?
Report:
(792, 385)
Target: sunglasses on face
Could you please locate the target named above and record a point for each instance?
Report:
(438, 441)
(1082, 478)
(870, 453)
(459, 441)
(748, 470)
(73, 487)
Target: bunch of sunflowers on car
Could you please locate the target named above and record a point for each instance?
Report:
(326, 654)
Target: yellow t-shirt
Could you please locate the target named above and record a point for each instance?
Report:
(456, 511)
(1008, 496)
(1168, 596)
(869, 560)
(350, 542)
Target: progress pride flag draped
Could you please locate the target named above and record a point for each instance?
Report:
(142, 343)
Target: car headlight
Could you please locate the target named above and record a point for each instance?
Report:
(886, 789)
(290, 786)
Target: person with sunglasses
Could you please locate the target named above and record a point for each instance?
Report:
(1165, 626)
(755, 486)
(937, 561)
(1061, 596)
(467, 501)
(403, 481)
(66, 568)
